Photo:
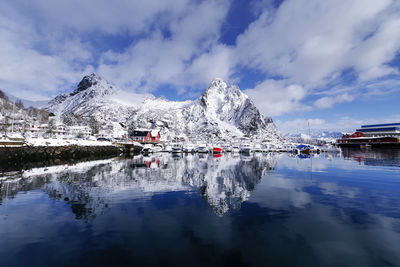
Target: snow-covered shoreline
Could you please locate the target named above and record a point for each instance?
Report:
(15, 158)
(35, 142)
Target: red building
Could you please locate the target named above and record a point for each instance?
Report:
(146, 136)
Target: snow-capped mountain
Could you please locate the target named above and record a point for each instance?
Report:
(221, 111)
(318, 135)
(96, 97)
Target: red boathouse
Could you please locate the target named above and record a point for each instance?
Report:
(146, 136)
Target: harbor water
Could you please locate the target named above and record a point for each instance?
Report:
(259, 209)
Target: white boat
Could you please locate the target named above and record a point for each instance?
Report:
(12, 140)
(257, 148)
(148, 148)
(226, 148)
(189, 148)
(246, 148)
(167, 148)
(265, 147)
(290, 148)
(158, 148)
(203, 148)
(176, 148)
(235, 149)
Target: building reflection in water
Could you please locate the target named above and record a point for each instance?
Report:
(373, 157)
(91, 187)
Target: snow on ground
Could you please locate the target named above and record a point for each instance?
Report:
(80, 167)
(65, 142)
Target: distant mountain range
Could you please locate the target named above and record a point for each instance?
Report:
(28, 103)
(222, 111)
(14, 113)
(317, 134)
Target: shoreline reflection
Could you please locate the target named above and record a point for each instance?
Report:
(90, 188)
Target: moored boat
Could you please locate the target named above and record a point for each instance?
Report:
(304, 149)
(202, 148)
(148, 148)
(235, 149)
(246, 148)
(12, 140)
(158, 148)
(217, 149)
(176, 148)
(257, 148)
(189, 148)
(226, 148)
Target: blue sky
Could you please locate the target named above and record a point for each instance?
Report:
(333, 64)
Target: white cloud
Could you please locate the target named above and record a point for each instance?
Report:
(276, 97)
(343, 123)
(116, 17)
(28, 73)
(190, 56)
(301, 125)
(381, 87)
(311, 42)
(174, 42)
(327, 102)
(46, 46)
(308, 41)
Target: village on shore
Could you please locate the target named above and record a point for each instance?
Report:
(51, 132)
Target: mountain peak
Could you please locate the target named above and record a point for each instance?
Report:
(220, 90)
(219, 83)
(87, 82)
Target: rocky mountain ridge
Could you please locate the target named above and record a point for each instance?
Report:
(222, 111)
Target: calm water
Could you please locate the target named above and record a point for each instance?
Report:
(255, 210)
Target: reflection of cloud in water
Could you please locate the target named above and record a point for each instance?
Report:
(337, 240)
(340, 217)
(318, 163)
(336, 190)
(279, 193)
(294, 186)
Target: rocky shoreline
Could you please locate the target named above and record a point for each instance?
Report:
(15, 158)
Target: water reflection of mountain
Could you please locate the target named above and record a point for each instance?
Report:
(373, 157)
(91, 187)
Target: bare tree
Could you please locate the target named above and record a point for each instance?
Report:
(94, 125)
(3, 95)
(19, 104)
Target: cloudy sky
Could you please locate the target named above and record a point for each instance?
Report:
(334, 64)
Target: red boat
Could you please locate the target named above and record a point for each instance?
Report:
(217, 149)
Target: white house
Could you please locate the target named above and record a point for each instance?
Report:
(82, 131)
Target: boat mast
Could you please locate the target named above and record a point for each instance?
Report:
(12, 123)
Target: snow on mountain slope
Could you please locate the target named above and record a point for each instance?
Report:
(222, 111)
(96, 97)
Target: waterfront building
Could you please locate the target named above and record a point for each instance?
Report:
(81, 131)
(377, 135)
(146, 136)
(380, 130)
